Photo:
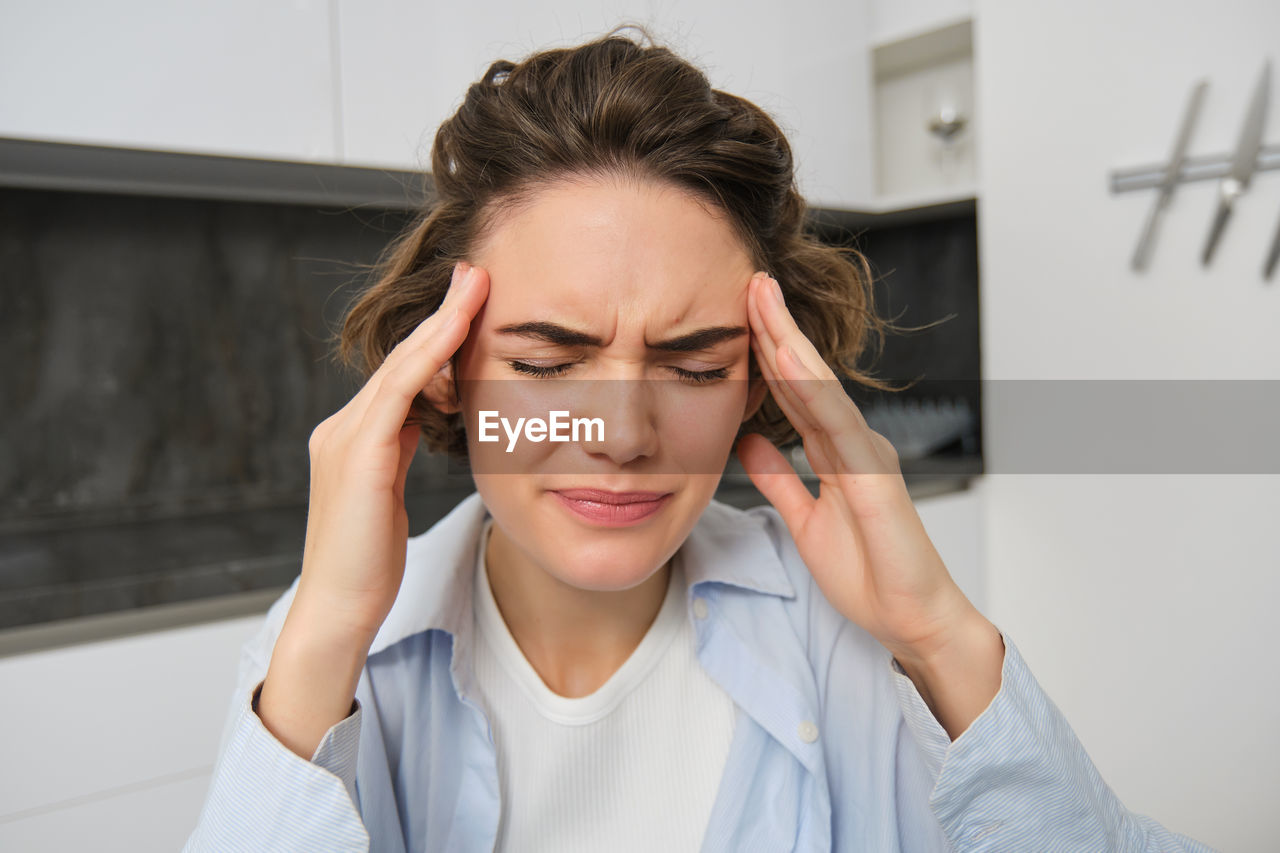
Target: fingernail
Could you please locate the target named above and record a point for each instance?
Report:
(777, 291)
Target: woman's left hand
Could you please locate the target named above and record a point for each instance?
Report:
(861, 538)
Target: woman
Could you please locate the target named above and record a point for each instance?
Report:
(590, 653)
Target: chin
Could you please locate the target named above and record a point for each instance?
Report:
(604, 562)
(610, 579)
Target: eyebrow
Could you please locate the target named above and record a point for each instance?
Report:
(552, 333)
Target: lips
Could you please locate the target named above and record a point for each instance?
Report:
(607, 497)
(602, 508)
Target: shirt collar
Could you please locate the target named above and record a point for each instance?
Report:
(727, 545)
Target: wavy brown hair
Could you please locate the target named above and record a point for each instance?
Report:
(613, 107)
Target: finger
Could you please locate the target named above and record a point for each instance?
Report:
(462, 293)
(358, 406)
(763, 339)
(887, 451)
(390, 403)
(821, 457)
(765, 350)
(816, 383)
(390, 400)
(781, 394)
(819, 447)
(409, 438)
(782, 329)
(467, 293)
(836, 415)
(773, 475)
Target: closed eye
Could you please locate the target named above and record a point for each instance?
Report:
(696, 377)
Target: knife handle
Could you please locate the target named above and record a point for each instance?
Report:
(1215, 231)
(1273, 256)
(1143, 252)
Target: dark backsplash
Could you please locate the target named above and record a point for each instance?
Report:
(167, 355)
(928, 271)
(166, 360)
(926, 274)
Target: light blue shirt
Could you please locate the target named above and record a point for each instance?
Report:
(833, 747)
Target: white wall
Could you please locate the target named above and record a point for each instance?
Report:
(1144, 604)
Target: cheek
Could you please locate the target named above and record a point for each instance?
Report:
(701, 424)
(508, 404)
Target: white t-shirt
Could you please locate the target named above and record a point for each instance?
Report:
(636, 765)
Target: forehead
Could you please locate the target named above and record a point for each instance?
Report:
(613, 243)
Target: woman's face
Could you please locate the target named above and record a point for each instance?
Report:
(592, 288)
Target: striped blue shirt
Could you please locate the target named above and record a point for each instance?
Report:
(833, 747)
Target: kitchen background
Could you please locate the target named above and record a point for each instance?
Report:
(187, 197)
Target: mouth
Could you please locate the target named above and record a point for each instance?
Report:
(612, 509)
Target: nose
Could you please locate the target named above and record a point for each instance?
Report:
(629, 410)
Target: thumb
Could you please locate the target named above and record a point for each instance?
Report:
(409, 436)
(772, 474)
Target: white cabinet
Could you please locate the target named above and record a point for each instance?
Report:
(807, 64)
(926, 121)
(110, 745)
(406, 67)
(236, 77)
(895, 20)
(367, 82)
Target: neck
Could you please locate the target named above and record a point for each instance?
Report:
(574, 638)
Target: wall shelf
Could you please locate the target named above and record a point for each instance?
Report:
(908, 51)
(38, 164)
(926, 126)
(900, 211)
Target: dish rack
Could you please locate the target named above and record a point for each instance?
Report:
(918, 428)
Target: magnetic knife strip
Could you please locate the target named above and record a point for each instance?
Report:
(1234, 171)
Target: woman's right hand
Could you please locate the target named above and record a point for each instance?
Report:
(357, 528)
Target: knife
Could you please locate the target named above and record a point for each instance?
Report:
(1272, 256)
(1176, 160)
(1243, 163)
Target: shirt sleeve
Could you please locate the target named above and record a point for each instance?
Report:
(265, 797)
(1018, 776)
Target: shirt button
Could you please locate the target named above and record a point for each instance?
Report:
(700, 608)
(808, 731)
